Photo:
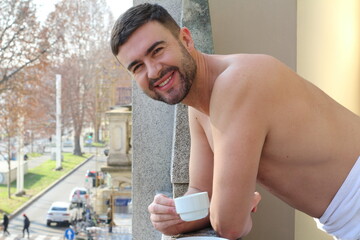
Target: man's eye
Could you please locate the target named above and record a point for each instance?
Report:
(157, 50)
(136, 68)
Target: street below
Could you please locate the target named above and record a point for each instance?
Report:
(37, 210)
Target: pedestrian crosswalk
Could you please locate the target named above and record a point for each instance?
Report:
(33, 237)
(47, 237)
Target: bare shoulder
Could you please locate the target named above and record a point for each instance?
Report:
(246, 71)
(257, 67)
(250, 62)
(248, 81)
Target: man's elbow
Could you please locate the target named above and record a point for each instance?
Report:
(231, 229)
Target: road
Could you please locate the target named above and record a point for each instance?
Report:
(60, 192)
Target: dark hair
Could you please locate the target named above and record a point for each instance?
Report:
(136, 17)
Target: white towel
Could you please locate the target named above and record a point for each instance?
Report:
(342, 217)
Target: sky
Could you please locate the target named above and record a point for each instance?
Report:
(44, 7)
(119, 6)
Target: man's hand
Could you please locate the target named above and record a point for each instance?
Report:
(163, 215)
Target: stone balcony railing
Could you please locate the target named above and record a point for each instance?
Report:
(160, 132)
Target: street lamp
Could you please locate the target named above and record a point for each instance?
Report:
(58, 122)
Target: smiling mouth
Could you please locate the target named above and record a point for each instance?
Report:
(165, 82)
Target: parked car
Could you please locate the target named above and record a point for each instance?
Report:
(78, 194)
(58, 212)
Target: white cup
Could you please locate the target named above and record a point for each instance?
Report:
(193, 206)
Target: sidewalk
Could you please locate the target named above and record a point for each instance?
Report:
(36, 161)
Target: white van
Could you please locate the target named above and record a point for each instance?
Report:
(78, 194)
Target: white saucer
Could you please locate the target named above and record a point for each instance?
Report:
(203, 238)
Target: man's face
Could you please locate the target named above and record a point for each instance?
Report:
(160, 64)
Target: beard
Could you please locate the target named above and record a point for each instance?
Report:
(187, 72)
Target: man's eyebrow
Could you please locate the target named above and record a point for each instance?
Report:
(151, 48)
(148, 51)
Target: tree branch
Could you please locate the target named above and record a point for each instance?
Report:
(5, 78)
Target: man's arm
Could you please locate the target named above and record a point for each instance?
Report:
(163, 214)
(240, 123)
(235, 171)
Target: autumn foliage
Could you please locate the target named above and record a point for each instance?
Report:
(74, 42)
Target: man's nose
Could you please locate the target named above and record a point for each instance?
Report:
(153, 70)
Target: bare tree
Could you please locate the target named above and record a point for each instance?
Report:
(107, 75)
(8, 124)
(13, 110)
(21, 38)
(85, 27)
(39, 92)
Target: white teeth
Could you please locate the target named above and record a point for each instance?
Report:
(165, 82)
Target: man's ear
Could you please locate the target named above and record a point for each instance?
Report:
(185, 38)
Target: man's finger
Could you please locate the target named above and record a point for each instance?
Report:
(164, 200)
(155, 208)
(164, 217)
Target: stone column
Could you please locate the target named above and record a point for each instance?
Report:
(120, 140)
(119, 161)
(153, 124)
(196, 17)
(159, 143)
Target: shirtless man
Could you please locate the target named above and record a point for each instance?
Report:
(252, 119)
